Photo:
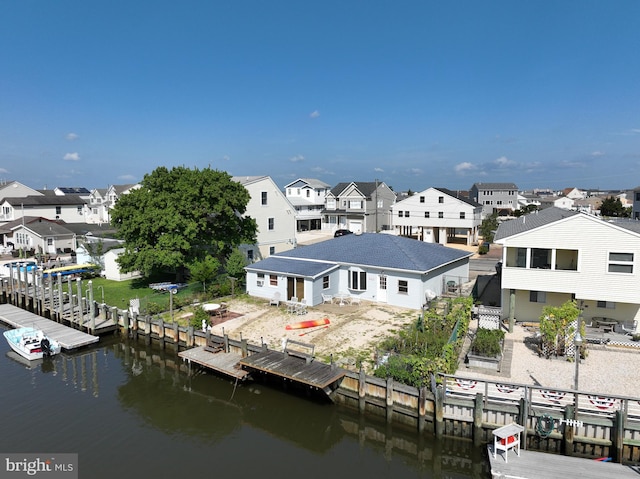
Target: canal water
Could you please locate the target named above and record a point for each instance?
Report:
(131, 410)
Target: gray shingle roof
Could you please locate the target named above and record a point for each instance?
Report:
(294, 267)
(378, 250)
(495, 186)
(532, 221)
(457, 195)
(367, 188)
(46, 200)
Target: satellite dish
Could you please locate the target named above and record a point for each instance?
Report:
(429, 295)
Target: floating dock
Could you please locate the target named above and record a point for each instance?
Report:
(543, 465)
(68, 338)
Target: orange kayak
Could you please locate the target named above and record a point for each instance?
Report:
(308, 324)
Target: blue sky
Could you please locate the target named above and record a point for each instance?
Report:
(412, 93)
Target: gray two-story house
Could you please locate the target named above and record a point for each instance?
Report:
(501, 198)
(359, 206)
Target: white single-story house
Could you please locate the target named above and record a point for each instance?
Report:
(371, 266)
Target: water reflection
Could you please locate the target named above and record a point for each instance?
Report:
(131, 402)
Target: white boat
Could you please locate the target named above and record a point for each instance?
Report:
(31, 343)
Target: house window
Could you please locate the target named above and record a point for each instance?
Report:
(325, 282)
(355, 204)
(383, 282)
(620, 263)
(263, 198)
(567, 259)
(426, 214)
(516, 257)
(272, 250)
(271, 220)
(331, 203)
(250, 255)
(440, 199)
(541, 258)
(400, 213)
(273, 280)
(422, 199)
(606, 304)
(260, 281)
(357, 280)
(380, 203)
(308, 193)
(440, 214)
(79, 210)
(406, 214)
(58, 210)
(462, 215)
(403, 286)
(537, 296)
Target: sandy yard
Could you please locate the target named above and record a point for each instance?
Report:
(353, 331)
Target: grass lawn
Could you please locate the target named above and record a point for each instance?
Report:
(118, 293)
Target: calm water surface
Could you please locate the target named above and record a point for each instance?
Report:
(131, 410)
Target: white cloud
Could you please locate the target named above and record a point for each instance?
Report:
(415, 171)
(503, 162)
(127, 177)
(226, 158)
(71, 157)
(72, 136)
(378, 170)
(464, 167)
(597, 153)
(314, 114)
(296, 159)
(3, 170)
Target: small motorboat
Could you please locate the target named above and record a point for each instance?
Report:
(31, 343)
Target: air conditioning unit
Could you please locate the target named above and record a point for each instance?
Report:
(260, 282)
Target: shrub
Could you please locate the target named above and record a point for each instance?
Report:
(488, 342)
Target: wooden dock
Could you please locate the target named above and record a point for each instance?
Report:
(543, 465)
(298, 369)
(68, 338)
(225, 363)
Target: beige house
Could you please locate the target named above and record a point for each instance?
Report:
(274, 214)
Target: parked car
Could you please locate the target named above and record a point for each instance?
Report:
(342, 233)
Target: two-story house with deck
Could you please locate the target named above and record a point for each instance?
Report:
(500, 198)
(556, 255)
(359, 207)
(438, 215)
(275, 215)
(307, 195)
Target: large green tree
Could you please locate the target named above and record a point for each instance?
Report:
(613, 207)
(179, 216)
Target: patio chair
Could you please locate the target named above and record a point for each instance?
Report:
(629, 327)
(327, 298)
(275, 299)
(222, 310)
(301, 307)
